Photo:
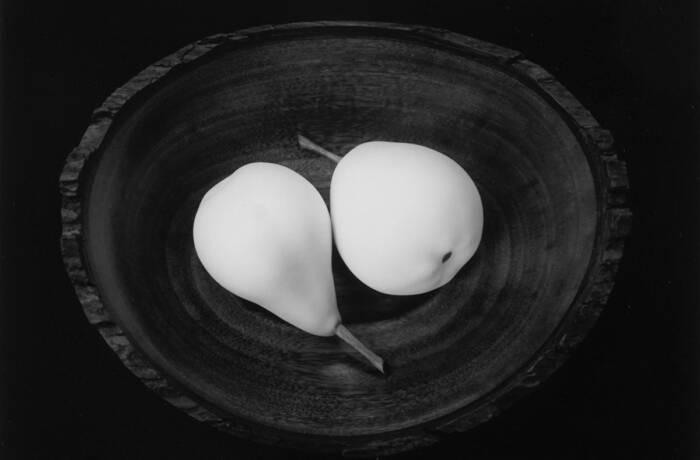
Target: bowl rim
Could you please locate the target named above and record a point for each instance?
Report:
(613, 225)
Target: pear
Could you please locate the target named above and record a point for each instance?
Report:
(264, 234)
(405, 217)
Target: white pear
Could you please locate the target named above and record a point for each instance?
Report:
(405, 217)
(264, 234)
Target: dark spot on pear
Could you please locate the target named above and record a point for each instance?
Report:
(446, 257)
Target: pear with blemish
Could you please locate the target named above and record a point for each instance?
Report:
(405, 217)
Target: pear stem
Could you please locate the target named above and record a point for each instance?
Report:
(348, 337)
(307, 144)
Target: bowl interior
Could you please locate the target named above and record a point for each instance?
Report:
(245, 103)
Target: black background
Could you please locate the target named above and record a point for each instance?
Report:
(630, 391)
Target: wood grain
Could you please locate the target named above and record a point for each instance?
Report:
(554, 195)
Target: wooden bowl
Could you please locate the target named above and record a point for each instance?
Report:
(553, 193)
